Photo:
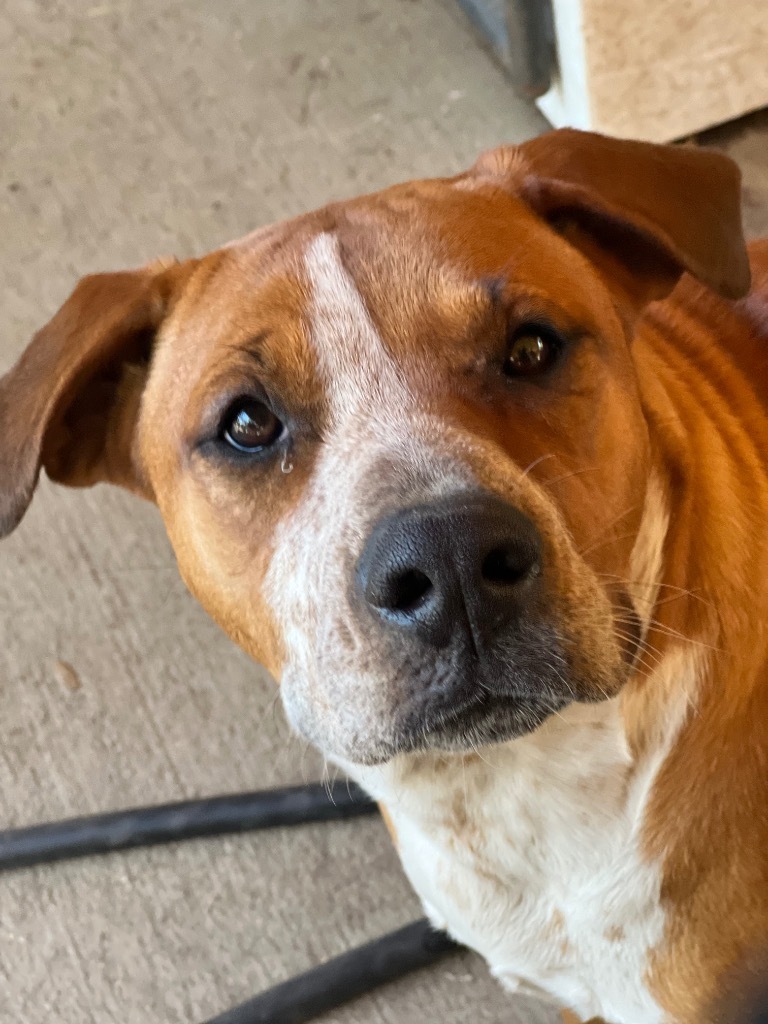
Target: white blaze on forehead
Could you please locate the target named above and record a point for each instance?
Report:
(352, 359)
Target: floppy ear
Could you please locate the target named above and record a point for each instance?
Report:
(71, 402)
(642, 213)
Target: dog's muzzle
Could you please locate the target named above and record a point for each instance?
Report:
(456, 586)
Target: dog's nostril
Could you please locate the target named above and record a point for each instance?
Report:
(507, 565)
(409, 590)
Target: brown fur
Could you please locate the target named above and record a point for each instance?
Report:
(569, 1018)
(133, 371)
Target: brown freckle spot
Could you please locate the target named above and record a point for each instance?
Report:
(67, 676)
(557, 923)
(614, 934)
(555, 928)
(459, 812)
(386, 817)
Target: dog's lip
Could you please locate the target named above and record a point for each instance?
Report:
(482, 694)
(507, 714)
(485, 720)
(454, 715)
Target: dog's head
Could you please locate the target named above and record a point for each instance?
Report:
(398, 443)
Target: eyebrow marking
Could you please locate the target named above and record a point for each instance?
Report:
(252, 346)
(494, 289)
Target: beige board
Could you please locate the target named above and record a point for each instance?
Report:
(658, 70)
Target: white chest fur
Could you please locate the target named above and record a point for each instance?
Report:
(530, 854)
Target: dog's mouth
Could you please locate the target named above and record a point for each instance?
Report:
(484, 722)
(487, 708)
(513, 689)
(497, 700)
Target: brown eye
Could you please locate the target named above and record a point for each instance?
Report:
(250, 426)
(532, 351)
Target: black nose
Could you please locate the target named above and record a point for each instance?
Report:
(464, 561)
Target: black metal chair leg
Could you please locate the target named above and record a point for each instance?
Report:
(186, 819)
(344, 978)
(301, 998)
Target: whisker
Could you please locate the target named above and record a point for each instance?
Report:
(476, 750)
(567, 476)
(651, 648)
(677, 635)
(603, 541)
(650, 584)
(535, 463)
(647, 660)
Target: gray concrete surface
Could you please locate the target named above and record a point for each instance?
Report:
(127, 131)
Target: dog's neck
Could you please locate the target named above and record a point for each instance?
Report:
(531, 853)
(710, 435)
(703, 535)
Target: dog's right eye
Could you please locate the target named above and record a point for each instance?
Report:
(250, 426)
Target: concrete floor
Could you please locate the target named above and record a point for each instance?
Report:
(131, 130)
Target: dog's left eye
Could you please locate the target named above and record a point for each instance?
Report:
(532, 351)
(250, 426)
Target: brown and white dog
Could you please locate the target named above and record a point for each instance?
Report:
(478, 468)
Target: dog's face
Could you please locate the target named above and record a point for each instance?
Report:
(440, 394)
(398, 444)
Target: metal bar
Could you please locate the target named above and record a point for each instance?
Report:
(187, 819)
(344, 978)
(522, 36)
